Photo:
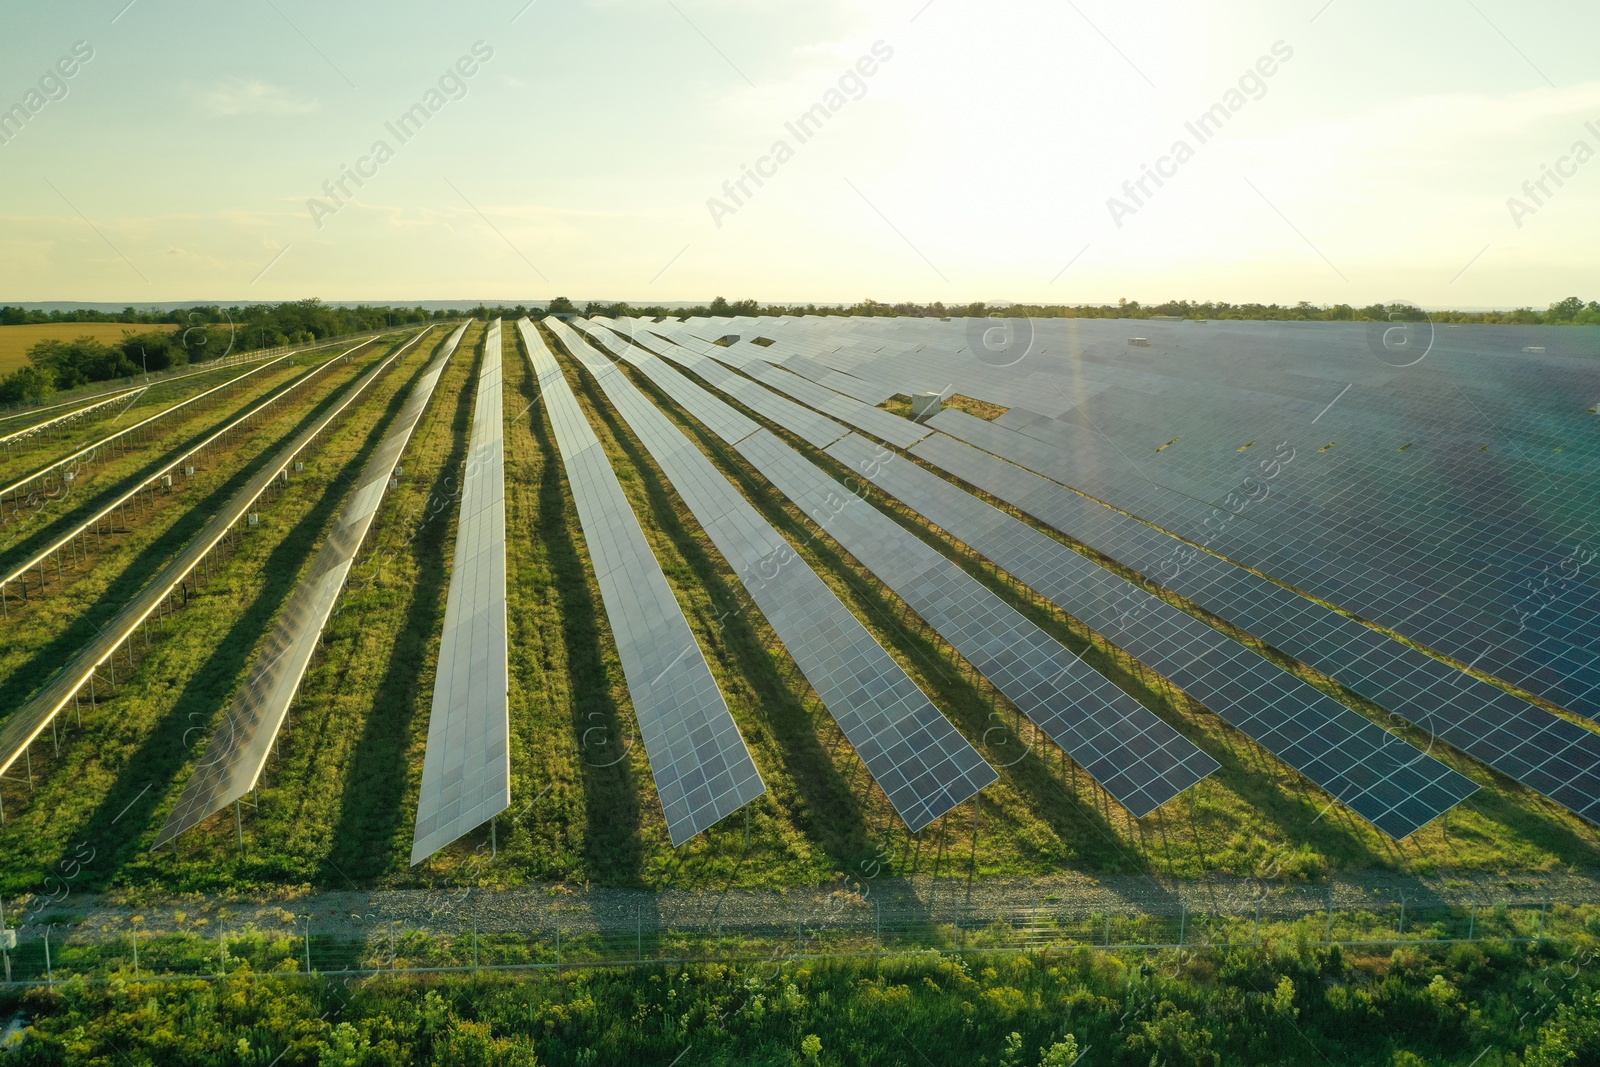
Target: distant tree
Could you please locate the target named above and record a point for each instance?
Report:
(74, 363)
(1565, 310)
(154, 350)
(562, 306)
(26, 385)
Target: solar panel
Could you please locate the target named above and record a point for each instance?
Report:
(1373, 772)
(847, 409)
(1219, 648)
(239, 746)
(466, 770)
(916, 756)
(30, 720)
(744, 352)
(1339, 552)
(703, 771)
(1140, 760)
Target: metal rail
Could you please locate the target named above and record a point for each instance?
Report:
(105, 442)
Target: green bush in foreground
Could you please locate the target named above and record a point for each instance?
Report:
(1485, 1004)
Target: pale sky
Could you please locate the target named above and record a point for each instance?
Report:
(974, 163)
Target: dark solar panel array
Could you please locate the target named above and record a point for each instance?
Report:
(1540, 750)
(1451, 499)
(813, 428)
(1339, 558)
(1406, 787)
(916, 756)
(1543, 751)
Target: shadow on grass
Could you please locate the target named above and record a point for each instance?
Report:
(371, 809)
(136, 797)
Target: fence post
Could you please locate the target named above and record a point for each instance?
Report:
(474, 944)
(1330, 911)
(877, 916)
(1257, 937)
(135, 935)
(558, 939)
(1400, 930)
(308, 944)
(638, 931)
(49, 971)
(1108, 929)
(1540, 935)
(1472, 921)
(1183, 922)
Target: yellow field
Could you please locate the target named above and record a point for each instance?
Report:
(16, 340)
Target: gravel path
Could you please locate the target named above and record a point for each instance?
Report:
(356, 914)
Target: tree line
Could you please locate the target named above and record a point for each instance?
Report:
(1572, 311)
(192, 335)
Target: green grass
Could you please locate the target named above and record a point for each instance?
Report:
(1287, 1002)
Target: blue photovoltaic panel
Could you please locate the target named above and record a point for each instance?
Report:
(1378, 775)
(1541, 750)
(1528, 744)
(1447, 492)
(466, 770)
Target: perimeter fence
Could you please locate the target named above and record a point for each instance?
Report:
(555, 934)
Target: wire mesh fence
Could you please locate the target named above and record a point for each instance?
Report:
(560, 934)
